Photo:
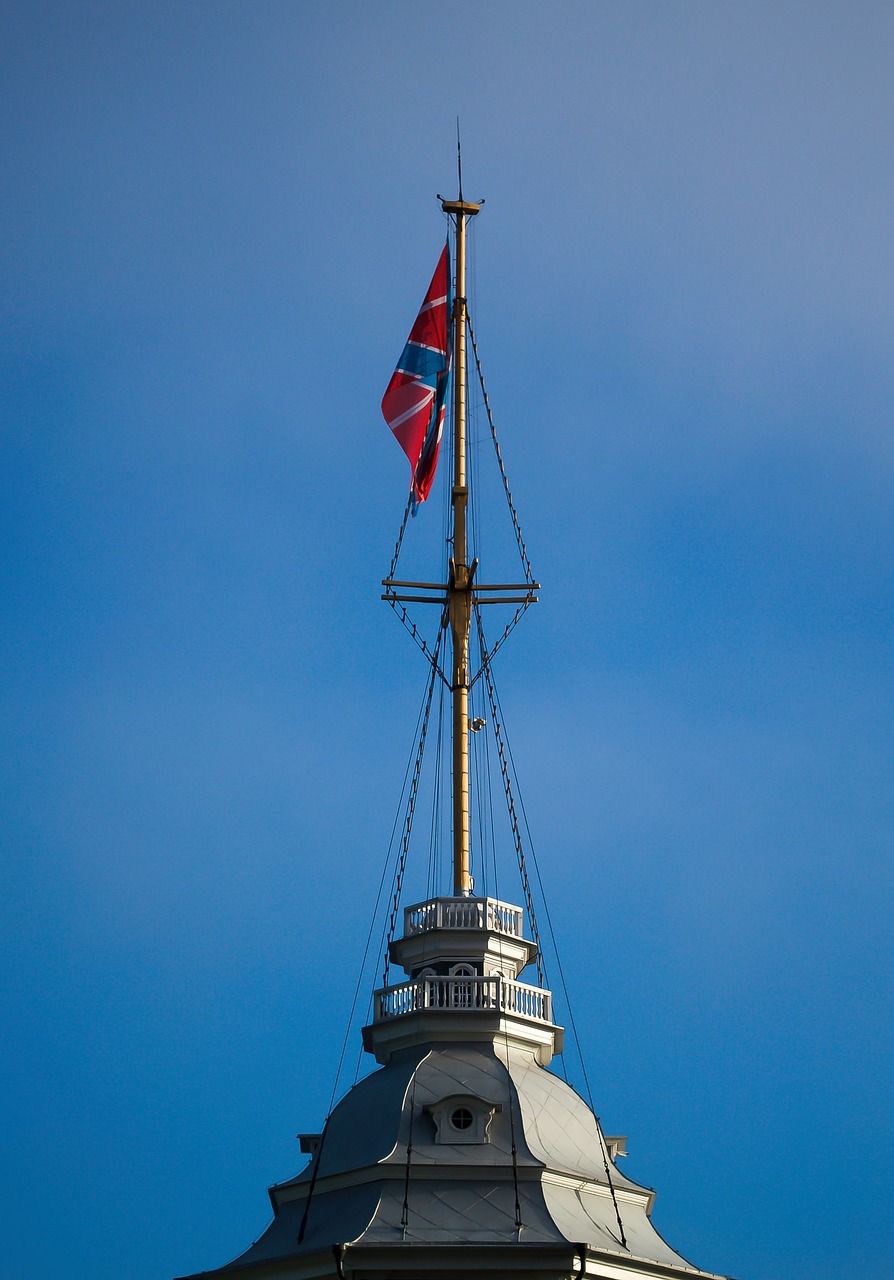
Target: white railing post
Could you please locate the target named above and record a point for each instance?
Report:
(463, 913)
(463, 992)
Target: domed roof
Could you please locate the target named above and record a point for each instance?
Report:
(395, 1165)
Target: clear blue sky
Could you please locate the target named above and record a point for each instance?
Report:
(218, 220)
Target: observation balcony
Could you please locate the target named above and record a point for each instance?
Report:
(464, 913)
(442, 932)
(462, 993)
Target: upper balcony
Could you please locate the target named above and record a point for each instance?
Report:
(445, 931)
(464, 913)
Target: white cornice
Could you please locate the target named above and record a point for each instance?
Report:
(395, 1170)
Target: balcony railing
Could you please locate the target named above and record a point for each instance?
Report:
(456, 993)
(464, 913)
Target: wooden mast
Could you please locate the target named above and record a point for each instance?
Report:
(460, 575)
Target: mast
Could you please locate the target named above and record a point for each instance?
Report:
(461, 573)
(461, 592)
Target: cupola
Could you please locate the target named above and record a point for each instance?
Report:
(462, 957)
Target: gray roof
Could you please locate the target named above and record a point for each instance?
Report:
(461, 1193)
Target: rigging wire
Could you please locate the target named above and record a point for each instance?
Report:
(405, 1207)
(437, 808)
(510, 1086)
(518, 1213)
(397, 605)
(516, 524)
(411, 627)
(421, 732)
(420, 722)
(313, 1181)
(400, 537)
(411, 806)
(433, 849)
(482, 790)
(510, 800)
(501, 739)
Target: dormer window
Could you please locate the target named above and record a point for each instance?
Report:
(462, 1119)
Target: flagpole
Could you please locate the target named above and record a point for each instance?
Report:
(459, 580)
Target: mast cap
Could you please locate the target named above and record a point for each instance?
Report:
(459, 206)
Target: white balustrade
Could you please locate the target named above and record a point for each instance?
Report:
(463, 993)
(464, 913)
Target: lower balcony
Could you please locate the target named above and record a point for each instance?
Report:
(492, 994)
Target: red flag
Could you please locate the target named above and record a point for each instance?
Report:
(414, 403)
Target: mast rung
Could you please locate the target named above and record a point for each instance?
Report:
(402, 599)
(428, 586)
(390, 595)
(506, 586)
(510, 600)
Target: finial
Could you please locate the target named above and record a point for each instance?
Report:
(459, 161)
(459, 206)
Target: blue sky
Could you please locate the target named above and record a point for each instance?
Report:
(218, 223)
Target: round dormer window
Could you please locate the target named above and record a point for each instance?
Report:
(461, 1118)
